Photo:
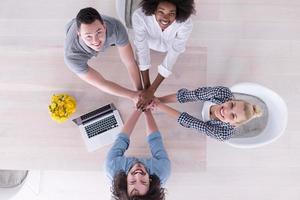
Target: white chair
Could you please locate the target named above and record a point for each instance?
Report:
(125, 9)
(276, 121)
(11, 182)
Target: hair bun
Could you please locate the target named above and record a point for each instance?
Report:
(257, 111)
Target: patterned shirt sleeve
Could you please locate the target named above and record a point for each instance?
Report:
(217, 94)
(220, 130)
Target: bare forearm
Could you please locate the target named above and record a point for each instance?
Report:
(171, 98)
(156, 83)
(135, 77)
(115, 89)
(150, 123)
(168, 110)
(130, 123)
(127, 57)
(146, 95)
(146, 78)
(96, 79)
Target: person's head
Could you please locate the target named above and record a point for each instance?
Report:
(91, 28)
(237, 112)
(167, 11)
(137, 185)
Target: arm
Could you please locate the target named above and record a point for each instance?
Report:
(177, 47)
(215, 129)
(156, 83)
(147, 95)
(96, 79)
(171, 98)
(154, 138)
(217, 94)
(165, 69)
(146, 78)
(115, 158)
(168, 110)
(131, 122)
(150, 123)
(140, 40)
(160, 162)
(127, 57)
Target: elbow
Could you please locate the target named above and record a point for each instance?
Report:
(166, 170)
(223, 90)
(225, 137)
(83, 74)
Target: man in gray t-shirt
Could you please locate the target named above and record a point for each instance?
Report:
(89, 34)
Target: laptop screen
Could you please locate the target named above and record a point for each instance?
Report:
(96, 112)
(83, 119)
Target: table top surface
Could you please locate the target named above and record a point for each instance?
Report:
(29, 139)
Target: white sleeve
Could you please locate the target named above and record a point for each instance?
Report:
(177, 47)
(140, 41)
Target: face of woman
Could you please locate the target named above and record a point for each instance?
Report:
(138, 181)
(231, 112)
(165, 14)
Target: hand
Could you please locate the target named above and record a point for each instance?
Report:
(153, 105)
(156, 101)
(136, 97)
(145, 99)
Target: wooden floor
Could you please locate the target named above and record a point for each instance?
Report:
(232, 41)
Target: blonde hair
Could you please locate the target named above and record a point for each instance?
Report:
(251, 111)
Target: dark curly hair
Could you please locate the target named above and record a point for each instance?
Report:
(87, 16)
(119, 189)
(184, 8)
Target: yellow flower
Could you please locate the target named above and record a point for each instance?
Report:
(62, 106)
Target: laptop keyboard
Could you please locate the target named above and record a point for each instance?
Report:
(101, 126)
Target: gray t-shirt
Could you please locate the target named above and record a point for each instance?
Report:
(77, 53)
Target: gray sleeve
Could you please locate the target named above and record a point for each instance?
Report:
(77, 63)
(121, 34)
(74, 58)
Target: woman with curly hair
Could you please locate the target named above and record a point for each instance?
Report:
(164, 26)
(138, 178)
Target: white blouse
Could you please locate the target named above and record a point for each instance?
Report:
(206, 110)
(148, 35)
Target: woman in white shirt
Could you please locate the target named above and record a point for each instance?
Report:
(164, 26)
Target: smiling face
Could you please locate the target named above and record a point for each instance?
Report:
(138, 181)
(93, 35)
(165, 14)
(232, 112)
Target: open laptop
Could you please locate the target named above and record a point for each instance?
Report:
(99, 127)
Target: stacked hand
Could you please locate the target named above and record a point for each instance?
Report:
(154, 104)
(145, 98)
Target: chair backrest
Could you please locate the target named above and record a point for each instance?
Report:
(130, 7)
(276, 120)
(255, 126)
(12, 178)
(11, 181)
